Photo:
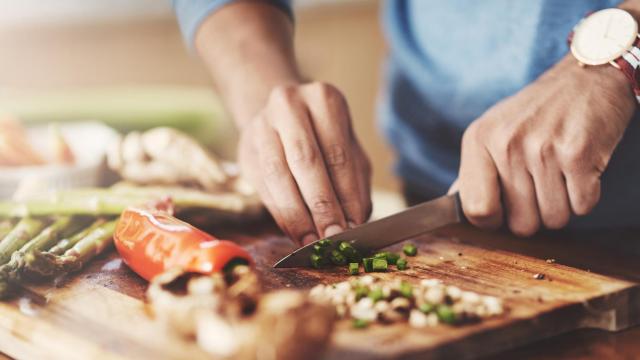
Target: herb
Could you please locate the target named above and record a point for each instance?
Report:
(368, 264)
(317, 261)
(354, 268)
(445, 314)
(360, 323)
(410, 250)
(427, 308)
(376, 294)
(391, 257)
(337, 258)
(401, 264)
(379, 265)
(349, 251)
(406, 289)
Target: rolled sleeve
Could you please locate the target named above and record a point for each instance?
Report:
(191, 14)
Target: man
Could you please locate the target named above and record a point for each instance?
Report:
(483, 95)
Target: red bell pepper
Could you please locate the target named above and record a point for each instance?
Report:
(151, 242)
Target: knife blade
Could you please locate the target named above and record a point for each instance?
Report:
(389, 230)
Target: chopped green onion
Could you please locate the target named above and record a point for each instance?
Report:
(406, 289)
(427, 308)
(445, 314)
(401, 264)
(361, 291)
(410, 250)
(349, 251)
(354, 268)
(379, 265)
(376, 294)
(360, 323)
(387, 255)
(392, 258)
(324, 242)
(317, 261)
(318, 249)
(368, 264)
(337, 258)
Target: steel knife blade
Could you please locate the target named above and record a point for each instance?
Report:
(389, 230)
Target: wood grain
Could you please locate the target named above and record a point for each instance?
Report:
(100, 314)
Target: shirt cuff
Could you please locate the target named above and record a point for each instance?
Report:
(191, 14)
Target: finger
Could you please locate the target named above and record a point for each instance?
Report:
(283, 198)
(583, 191)
(519, 197)
(330, 120)
(479, 185)
(454, 188)
(363, 167)
(307, 165)
(551, 191)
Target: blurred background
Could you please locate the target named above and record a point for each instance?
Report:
(123, 62)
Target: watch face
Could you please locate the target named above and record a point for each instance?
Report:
(604, 36)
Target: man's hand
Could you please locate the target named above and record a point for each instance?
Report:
(301, 154)
(537, 157)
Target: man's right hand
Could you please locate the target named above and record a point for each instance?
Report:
(301, 154)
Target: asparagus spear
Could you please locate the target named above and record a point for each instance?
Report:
(5, 228)
(47, 264)
(11, 271)
(96, 201)
(67, 243)
(24, 231)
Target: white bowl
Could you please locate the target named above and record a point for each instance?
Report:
(88, 141)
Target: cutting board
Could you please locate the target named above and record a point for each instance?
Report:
(100, 314)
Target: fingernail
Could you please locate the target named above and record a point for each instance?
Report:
(309, 238)
(332, 230)
(351, 224)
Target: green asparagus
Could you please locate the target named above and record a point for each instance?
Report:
(67, 243)
(47, 265)
(24, 231)
(104, 202)
(5, 228)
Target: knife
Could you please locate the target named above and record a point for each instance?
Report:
(375, 235)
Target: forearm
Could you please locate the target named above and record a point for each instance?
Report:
(248, 48)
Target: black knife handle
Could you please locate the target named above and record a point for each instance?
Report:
(461, 217)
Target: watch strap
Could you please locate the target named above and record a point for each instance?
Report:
(629, 64)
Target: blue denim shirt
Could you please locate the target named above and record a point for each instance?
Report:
(450, 61)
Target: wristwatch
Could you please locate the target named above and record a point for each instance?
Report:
(609, 36)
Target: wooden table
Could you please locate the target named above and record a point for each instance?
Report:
(587, 343)
(107, 292)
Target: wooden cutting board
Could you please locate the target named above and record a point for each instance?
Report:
(99, 313)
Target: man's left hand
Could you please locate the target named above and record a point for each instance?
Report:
(536, 157)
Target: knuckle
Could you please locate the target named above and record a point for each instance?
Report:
(284, 94)
(541, 151)
(505, 146)
(336, 156)
(472, 135)
(325, 91)
(355, 211)
(274, 167)
(322, 206)
(303, 152)
(575, 157)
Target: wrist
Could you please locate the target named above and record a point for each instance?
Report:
(609, 81)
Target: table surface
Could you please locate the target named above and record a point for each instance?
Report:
(581, 344)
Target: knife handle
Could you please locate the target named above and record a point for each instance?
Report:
(459, 211)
